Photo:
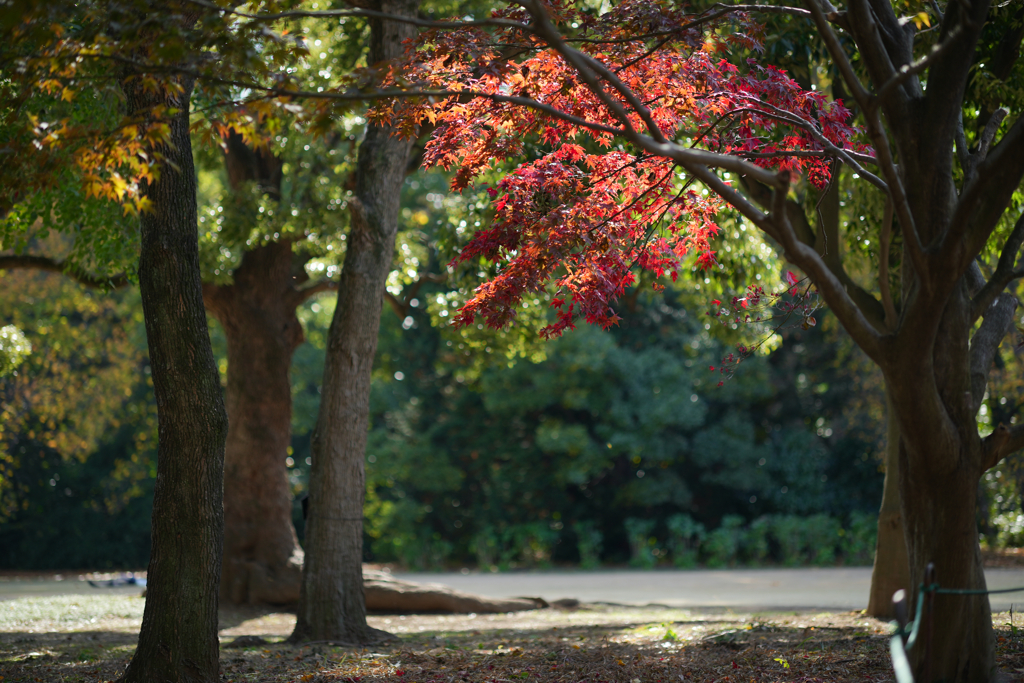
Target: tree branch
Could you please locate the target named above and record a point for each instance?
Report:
(581, 62)
(947, 80)
(366, 13)
(299, 296)
(984, 200)
(879, 140)
(997, 323)
(803, 232)
(1004, 273)
(1002, 442)
(906, 71)
(876, 48)
(830, 286)
(401, 306)
(891, 319)
(29, 262)
(800, 122)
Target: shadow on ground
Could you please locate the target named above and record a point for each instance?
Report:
(594, 644)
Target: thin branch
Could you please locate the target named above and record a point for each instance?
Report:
(299, 296)
(44, 263)
(628, 94)
(821, 154)
(878, 138)
(369, 14)
(714, 14)
(830, 287)
(800, 122)
(401, 306)
(983, 201)
(883, 268)
(580, 62)
(990, 131)
(729, 193)
(857, 89)
(1004, 274)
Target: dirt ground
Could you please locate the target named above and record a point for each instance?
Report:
(71, 639)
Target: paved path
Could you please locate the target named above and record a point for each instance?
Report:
(752, 589)
(748, 589)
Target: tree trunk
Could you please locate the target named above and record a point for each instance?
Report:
(938, 490)
(262, 557)
(959, 646)
(332, 606)
(178, 640)
(891, 571)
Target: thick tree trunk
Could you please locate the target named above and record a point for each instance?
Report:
(262, 557)
(178, 640)
(332, 606)
(942, 529)
(938, 489)
(891, 571)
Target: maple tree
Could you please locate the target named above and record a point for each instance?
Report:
(645, 82)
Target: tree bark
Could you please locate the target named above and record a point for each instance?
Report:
(891, 570)
(938, 488)
(178, 640)
(957, 644)
(332, 605)
(262, 557)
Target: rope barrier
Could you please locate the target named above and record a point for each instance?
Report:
(925, 592)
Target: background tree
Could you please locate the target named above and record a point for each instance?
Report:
(332, 605)
(256, 309)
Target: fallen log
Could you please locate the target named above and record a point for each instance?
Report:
(385, 593)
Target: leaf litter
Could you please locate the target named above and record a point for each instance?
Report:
(590, 644)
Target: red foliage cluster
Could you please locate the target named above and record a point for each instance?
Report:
(589, 207)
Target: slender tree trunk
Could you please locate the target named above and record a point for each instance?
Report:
(178, 640)
(891, 571)
(262, 557)
(332, 605)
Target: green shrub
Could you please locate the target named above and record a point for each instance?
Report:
(857, 541)
(723, 544)
(821, 535)
(755, 540)
(685, 537)
(533, 542)
(486, 546)
(788, 531)
(641, 543)
(588, 542)
(425, 552)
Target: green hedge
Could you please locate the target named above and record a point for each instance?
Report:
(788, 540)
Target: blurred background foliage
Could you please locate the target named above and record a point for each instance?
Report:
(487, 448)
